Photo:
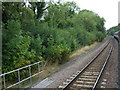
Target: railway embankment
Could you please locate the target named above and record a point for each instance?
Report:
(70, 67)
(109, 79)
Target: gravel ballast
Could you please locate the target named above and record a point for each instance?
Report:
(69, 68)
(119, 66)
(109, 78)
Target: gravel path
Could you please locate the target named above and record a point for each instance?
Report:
(72, 66)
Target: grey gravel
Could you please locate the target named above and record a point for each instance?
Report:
(43, 84)
(110, 74)
(69, 68)
(119, 66)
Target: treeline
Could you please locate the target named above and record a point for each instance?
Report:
(114, 29)
(45, 31)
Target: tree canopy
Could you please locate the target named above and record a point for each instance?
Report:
(114, 29)
(46, 31)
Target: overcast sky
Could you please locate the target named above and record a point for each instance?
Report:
(108, 9)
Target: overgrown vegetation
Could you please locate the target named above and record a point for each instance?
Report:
(45, 31)
(114, 29)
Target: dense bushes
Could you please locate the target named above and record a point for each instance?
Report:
(114, 29)
(28, 38)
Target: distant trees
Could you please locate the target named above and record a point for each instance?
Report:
(27, 38)
(114, 29)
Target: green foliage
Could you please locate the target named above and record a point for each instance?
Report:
(13, 29)
(49, 33)
(36, 44)
(59, 14)
(100, 36)
(40, 6)
(16, 52)
(114, 29)
(11, 11)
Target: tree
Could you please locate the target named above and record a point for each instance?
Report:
(38, 8)
(27, 38)
(11, 11)
(59, 14)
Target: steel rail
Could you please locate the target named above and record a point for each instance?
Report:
(103, 68)
(85, 67)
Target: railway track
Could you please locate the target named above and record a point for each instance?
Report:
(89, 76)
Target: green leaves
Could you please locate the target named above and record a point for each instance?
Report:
(114, 29)
(13, 29)
(48, 33)
(59, 14)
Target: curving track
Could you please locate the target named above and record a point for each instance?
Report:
(89, 76)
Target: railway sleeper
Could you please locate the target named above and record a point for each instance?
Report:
(61, 86)
(82, 86)
(71, 77)
(65, 83)
(74, 75)
(85, 82)
(93, 68)
(91, 77)
(68, 80)
(87, 79)
(91, 74)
